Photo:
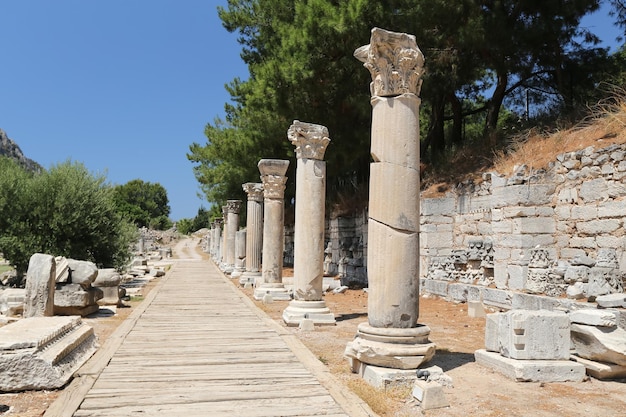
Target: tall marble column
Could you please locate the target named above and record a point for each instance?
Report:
(254, 236)
(273, 177)
(240, 253)
(310, 141)
(224, 248)
(392, 337)
(232, 207)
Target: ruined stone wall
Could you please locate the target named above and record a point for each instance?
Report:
(555, 232)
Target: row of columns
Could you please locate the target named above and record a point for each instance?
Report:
(392, 336)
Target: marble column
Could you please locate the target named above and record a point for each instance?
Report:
(217, 235)
(232, 209)
(254, 235)
(240, 254)
(224, 240)
(310, 141)
(273, 177)
(392, 337)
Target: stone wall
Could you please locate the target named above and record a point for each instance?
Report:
(556, 232)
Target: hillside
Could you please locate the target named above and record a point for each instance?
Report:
(10, 149)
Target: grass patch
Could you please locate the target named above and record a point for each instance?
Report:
(5, 268)
(136, 298)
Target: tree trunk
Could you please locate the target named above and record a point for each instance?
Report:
(457, 120)
(493, 109)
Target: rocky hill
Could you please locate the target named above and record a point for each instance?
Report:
(10, 149)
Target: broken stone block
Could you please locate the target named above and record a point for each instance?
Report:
(82, 272)
(430, 395)
(600, 344)
(39, 298)
(43, 352)
(592, 317)
(602, 370)
(62, 269)
(576, 291)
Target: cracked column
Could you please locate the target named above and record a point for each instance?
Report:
(273, 177)
(310, 141)
(232, 207)
(392, 337)
(254, 227)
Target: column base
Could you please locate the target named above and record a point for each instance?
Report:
(249, 277)
(315, 311)
(396, 348)
(237, 272)
(277, 291)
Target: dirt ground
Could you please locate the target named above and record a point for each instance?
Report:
(477, 391)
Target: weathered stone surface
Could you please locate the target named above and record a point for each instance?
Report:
(40, 277)
(601, 318)
(108, 281)
(611, 300)
(531, 370)
(601, 370)
(73, 299)
(390, 203)
(83, 272)
(600, 344)
(43, 352)
(62, 269)
(524, 334)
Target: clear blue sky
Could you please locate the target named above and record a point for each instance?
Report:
(123, 86)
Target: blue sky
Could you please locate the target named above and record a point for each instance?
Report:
(123, 86)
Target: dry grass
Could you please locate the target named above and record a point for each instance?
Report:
(382, 402)
(605, 125)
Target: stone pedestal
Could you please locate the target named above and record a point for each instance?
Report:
(273, 177)
(310, 141)
(393, 338)
(254, 235)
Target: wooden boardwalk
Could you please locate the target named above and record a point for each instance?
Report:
(197, 346)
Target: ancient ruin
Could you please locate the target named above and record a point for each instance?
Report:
(392, 337)
(310, 141)
(273, 177)
(254, 236)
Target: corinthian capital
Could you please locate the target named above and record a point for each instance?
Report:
(395, 62)
(254, 191)
(225, 214)
(273, 177)
(233, 206)
(309, 139)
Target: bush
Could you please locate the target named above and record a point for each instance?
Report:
(64, 211)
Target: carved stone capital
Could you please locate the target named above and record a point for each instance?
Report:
(309, 139)
(273, 177)
(218, 222)
(233, 206)
(395, 62)
(254, 191)
(225, 213)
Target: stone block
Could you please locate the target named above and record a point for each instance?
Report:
(497, 298)
(383, 378)
(436, 287)
(437, 240)
(601, 370)
(517, 276)
(492, 324)
(458, 292)
(522, 301)
(523, 195)
(612, 208)
(475, 309)
(596, 227)
(430, 395)
(611, 300)
(532, 370)
(535, 335)
(584, 213)
(43, 352)
(600, 344)
(594, 190)
(592, 317)
(82, 272)
(39, 297)
(445, 206)
(534, 225)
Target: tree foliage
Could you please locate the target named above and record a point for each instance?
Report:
(200, 221)
(144, 203)
(63, 211)
(481, 55)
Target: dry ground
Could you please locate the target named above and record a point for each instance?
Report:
(477, 391)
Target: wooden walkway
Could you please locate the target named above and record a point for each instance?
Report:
(197, 346)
